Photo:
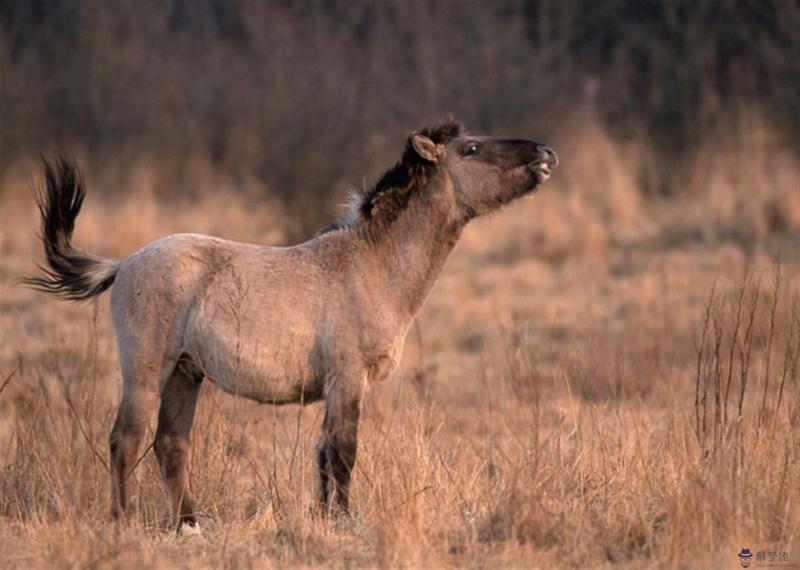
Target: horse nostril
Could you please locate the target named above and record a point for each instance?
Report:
(552, 158)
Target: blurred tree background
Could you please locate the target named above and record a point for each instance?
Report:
(310, 97)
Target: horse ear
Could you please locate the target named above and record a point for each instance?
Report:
(425, 147)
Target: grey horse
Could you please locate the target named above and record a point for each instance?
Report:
(322, 320)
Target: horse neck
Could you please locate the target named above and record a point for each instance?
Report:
(414, 249)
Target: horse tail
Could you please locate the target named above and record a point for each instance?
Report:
(70, 272)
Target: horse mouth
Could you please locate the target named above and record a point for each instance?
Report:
(542, 169)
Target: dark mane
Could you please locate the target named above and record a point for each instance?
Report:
(376, 208)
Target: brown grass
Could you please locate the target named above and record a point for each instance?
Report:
(644, 407)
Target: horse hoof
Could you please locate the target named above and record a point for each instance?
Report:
(189, 528)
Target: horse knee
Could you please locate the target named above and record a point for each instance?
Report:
(342, 458)
(338, 445)
(336, 459)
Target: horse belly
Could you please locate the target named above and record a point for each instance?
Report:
(259, 359)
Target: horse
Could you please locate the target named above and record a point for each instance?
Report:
(323, 320)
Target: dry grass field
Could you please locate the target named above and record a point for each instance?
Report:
(598, 379)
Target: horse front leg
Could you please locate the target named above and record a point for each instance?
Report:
(336, 453)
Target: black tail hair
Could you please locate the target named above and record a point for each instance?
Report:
(70, 273)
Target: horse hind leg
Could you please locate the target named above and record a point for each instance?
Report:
(133, 417)
(175, 418)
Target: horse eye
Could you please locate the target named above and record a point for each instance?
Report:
(471, 149)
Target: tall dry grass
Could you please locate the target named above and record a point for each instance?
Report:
(598, 379)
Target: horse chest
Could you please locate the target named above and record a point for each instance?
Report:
(383, 358)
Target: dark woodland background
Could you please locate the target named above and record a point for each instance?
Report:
(310, 97)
